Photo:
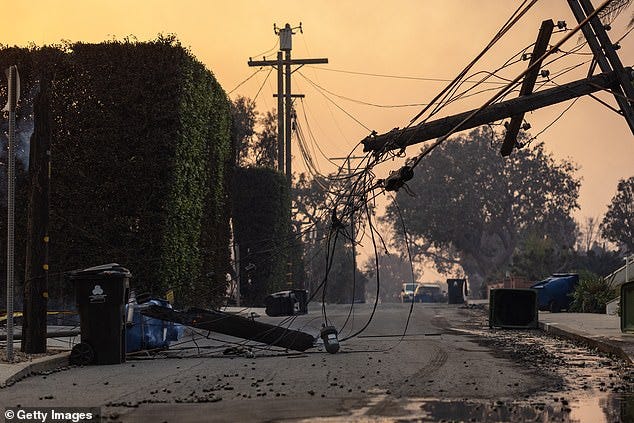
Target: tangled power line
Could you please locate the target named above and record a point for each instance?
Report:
(351, 195)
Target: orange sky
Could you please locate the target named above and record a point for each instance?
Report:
(421, 38)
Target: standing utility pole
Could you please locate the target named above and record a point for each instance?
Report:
(36, 270)
(280, 115)
(14, 88)
(284, 94)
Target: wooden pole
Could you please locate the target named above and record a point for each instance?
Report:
(36, 271)
(397, 139)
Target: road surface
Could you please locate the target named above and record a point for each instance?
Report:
(448, 365)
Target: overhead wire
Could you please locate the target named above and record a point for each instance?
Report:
(366, 187)
(509, 87)
(515, 17)
(258, 70)
(505, 90)
(415, 78)
(319, 90)
(277, 41)
(262, 86)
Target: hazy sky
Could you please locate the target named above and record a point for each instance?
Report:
(431, 39)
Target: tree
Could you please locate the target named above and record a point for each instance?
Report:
(255, 136)
(243, 129)
(265, 148)
(472, 208)
(539, 256)
(588, 236)
(618, 223)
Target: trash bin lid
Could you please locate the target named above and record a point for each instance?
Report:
(102, 270)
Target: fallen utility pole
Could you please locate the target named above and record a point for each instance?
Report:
(232, 325)
(606, 57)
(402, 138)
(615, 78)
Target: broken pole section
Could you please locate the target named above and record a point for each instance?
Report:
(605, 55)
(397, 139)
(232, 325)
(541, 45)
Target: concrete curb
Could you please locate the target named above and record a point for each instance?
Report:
(600, 343)
(39, 365)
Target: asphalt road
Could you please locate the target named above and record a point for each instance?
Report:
(448, 365)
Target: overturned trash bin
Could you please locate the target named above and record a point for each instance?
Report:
(287, 303)
(513, 308)
(147, 333)
(100, 294)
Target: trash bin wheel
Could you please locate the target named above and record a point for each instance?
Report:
(82, 354)
(554, 306)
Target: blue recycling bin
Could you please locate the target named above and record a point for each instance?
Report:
(148, 333)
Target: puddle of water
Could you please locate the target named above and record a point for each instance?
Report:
(618, 407)
(435, 410)
(603, 408)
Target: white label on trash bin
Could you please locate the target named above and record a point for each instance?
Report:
(97, 295)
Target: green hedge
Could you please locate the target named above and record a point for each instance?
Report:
(140, 147)
(261, 222)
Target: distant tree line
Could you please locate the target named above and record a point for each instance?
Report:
(487, 216)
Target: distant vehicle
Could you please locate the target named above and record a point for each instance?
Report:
(407, 292)
(428, 293)
(555, 292)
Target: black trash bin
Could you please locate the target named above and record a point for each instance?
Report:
(101, 293)
(456, 291)
(287, 303)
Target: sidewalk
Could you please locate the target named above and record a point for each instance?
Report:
(600, 331)
(11, 373)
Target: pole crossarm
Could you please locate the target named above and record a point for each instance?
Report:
(287, 62)
(401, 138)
(541, 45)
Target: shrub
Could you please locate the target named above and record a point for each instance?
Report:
(592, 294)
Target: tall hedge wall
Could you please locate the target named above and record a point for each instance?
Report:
(140, 148)
(261, 222)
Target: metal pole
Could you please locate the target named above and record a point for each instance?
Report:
(238, 273)
(280, 113)
(13, 75)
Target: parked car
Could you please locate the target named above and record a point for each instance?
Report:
(555, 293)
(407, 292)
(428, 293)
